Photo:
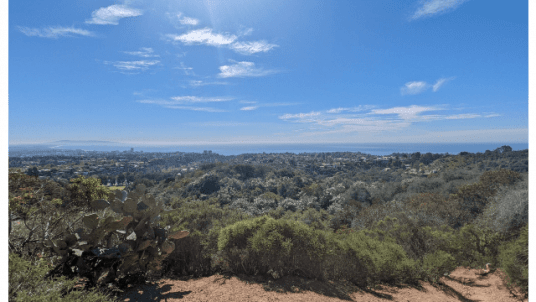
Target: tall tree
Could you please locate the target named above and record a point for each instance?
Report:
(32, 172)
(84, 190)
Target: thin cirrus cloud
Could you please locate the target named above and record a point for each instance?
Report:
(435, 7)
(132, 66)
(187, 70)
(462, 116)
(417, 87)
(250, 108)
(405, 113)
(243, 69)
(145, 52)
(440, 83)
(413, 114)
(207, 37)
(55, 32)
(179, 102)
(196, 99)
(199, 83)
(299, 116)
(353, 109)
(414, 87)
(205, 109)
(204, 36)
(248, 48)
(112, 14)
(245, 32)
(189, 21)
(373, 120)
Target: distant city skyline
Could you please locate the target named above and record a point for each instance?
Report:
(238, 72)
(236, 149)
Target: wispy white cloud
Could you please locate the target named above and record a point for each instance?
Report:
(187, 70)
(363, 126)
(433, 7)
(196, 99)
(248, 48)
(371, 121)
(112, 14)
(204, 36)
(394, 124)
(205, 109)
(189, 21)
(405, 113)
(417, 87)
(131, 66)
(243, 69)
(179, 102)
(353, 109)
(440, 83)
(250, 108)
(199, 83)
(55, 32)
(207, 37)
(145, 52)
(257, 106)
(462, 116)
(414, 87)
(245, 32)
(299, 116)
(185, 20)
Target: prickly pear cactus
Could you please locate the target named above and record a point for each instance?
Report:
(106, 250)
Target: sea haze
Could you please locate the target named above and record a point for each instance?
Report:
(236, 149)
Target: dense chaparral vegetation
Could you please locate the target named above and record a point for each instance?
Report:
(367, 225)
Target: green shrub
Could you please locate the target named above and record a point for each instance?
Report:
(507, 212)
(474, 197)
(282, 247)
(317, 219)
(270, 195)
(514, 259)
(474, 246)
(364, 260)
(203, 219)
(27, 282)
(436, 264)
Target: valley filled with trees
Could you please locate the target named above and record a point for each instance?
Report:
(374, 220)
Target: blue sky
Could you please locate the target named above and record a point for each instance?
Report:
(167, 72)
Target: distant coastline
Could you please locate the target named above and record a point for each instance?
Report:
(229, 149)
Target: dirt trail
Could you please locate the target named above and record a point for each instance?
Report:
(462, 285)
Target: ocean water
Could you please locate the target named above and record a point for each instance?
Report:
(374, 149)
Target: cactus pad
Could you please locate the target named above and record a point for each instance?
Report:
(100, 204)
(91, 221)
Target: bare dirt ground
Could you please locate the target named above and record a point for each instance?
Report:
(463, 284)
